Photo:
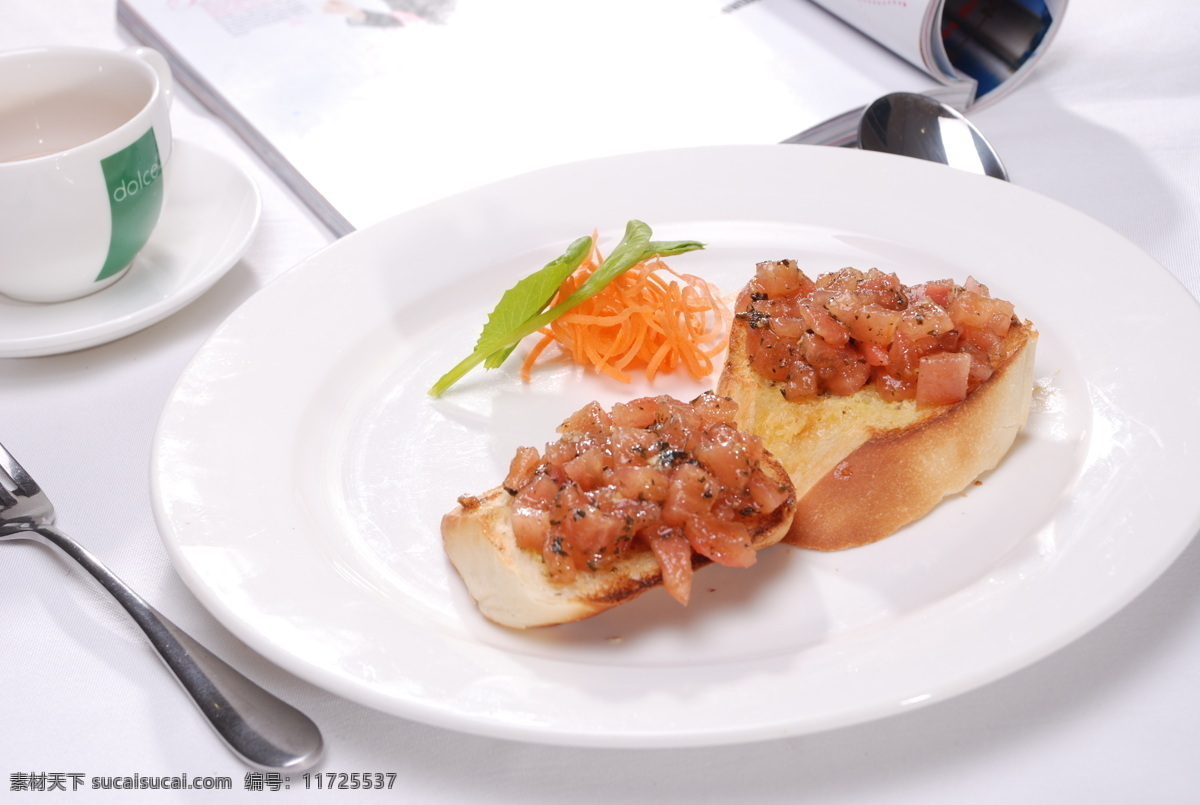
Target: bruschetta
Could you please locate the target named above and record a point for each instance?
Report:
(878, 398)
(626, 499)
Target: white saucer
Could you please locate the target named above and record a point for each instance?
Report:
(211, 212)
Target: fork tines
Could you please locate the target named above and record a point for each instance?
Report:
(16, 486)
(20, 480)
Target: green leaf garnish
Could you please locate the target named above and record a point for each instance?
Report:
(521, 311)
(527, 298)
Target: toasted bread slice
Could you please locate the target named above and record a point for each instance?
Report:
(512, 586)
(863, 467)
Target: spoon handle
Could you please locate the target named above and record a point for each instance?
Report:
(841, 131)
(263, 730)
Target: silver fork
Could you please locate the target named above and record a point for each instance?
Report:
(264, 731)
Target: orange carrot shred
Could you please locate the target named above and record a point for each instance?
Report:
(650, 318)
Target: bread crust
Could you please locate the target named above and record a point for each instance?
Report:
(511, 587)
(864, 467)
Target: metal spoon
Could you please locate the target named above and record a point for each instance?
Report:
(915, 125)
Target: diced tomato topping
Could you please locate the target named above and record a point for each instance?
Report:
(631, 445)
(842, 369)
(520, 470)
(529, 525)
(982, 341)
(691, 491)
(942, 378)
(594, 536)
(821, 321)
(540, 492)
(726, 543)
(788, 326)
(782, 278)
(874, 354)
(801, 382)
(939, 291)
(560, 566)
(971, 309)
(924, 317)
(769, 494)
(634, 414)
(715, 409)
(677, 478)
(640, 482)
(873, 324)
(728, 456)
(850, 328)
(587, 468)
(893, 388)
(674, 554)
(771, 355)
(591, 420)
(981, 370)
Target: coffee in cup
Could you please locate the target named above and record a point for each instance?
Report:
(85, 144)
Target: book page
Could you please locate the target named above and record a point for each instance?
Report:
(376, 106)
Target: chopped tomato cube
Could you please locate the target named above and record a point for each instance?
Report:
(942, 378)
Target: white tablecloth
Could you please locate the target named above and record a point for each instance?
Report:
(1109, 124)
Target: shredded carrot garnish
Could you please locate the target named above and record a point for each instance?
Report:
(650, 318)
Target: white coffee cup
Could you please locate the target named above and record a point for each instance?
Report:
(85, 142)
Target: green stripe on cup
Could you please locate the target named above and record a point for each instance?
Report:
(135, 192)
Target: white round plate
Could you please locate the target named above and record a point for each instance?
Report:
(300, 469)
(210, 214)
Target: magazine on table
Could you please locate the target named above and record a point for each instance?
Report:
(367, 108)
